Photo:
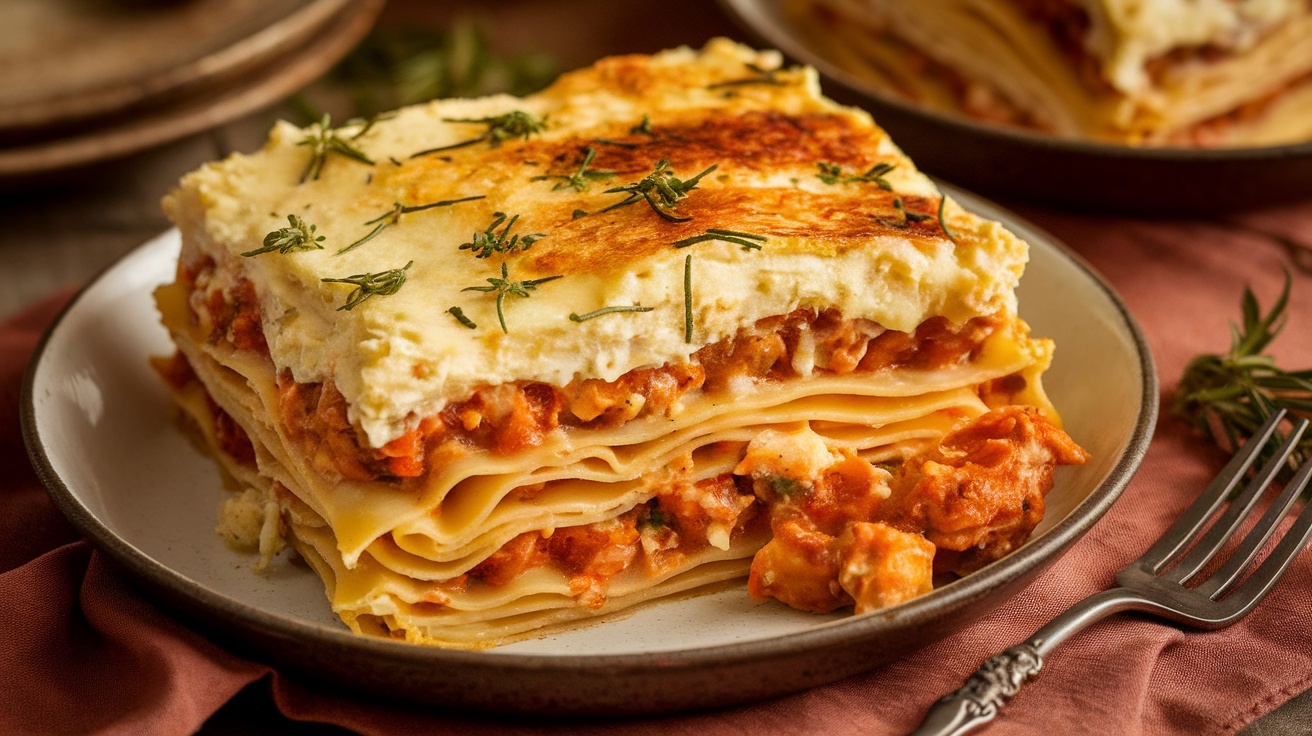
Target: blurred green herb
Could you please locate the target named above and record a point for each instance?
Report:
(399, 66)
(500, 128)
(1228, 396)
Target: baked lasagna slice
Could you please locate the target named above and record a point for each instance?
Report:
(496, 365)
(1139, 72)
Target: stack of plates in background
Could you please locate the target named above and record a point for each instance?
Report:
(88, 80)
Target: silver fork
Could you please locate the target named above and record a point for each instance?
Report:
(1164, 580)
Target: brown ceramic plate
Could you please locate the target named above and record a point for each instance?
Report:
(1013, 163)
(293, 60)
(97, 424)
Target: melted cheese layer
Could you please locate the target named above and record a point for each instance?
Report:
(395, 358)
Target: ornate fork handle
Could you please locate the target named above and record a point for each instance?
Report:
(980, 699)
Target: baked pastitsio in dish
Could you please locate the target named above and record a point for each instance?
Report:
(1140, 72)
(503, 364)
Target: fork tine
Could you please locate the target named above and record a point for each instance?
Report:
(1221, 531)
(1225, 578)
(1177, 537)
(1255, 588)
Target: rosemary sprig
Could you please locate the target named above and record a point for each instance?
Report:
(943, 202)
(368, 285)
(607, 310)
(1229, 396)
(459, 314)
(908, 215)
(748, 241)
(660, 189)
(503, 286)
(393, 216)
(687, 299)
(323, 140)
(833, 174)
(759, 76)
(581, 179)
(490, 241)
(297, 236)
(500, 128)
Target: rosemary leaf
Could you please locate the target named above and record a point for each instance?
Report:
(1228, 396)
(368, 285)
(607, 310)
(297, 236)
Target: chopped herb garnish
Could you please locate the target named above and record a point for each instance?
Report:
(490, 241)
(643, 128)
(607, 310)
(393, 216)
(907, 214)
(747, 240)
(503, 286)
(500, 128)
(942, 202)
(459, 314)
(579, 213)
(367, 285)
(833, 174)
(661, 190)
(323, 140)
(613, 142)
(297, 236)
(653, 519)
(785, 486)
(581, 179)
(1228, 396)
(687, 299)
(760, 76)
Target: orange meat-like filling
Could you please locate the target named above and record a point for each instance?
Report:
(843, 532)
(511, 417)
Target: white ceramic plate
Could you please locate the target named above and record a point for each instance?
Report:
(98, 426)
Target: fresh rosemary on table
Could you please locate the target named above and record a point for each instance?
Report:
(1228, 396)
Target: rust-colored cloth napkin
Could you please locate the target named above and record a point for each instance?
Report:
(81, 652)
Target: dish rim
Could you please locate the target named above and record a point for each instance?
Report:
(745, 11)
(199, 601)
